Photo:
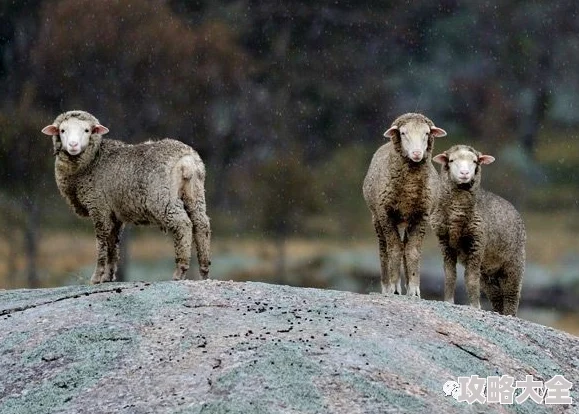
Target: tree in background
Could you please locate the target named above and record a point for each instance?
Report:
(137, 65)
(283, 193)
(24, 163)
(23, 160)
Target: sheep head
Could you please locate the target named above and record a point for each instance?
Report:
(461, 164)
(412, 135)
(72, 131)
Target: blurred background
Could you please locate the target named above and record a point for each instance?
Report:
(286, 101)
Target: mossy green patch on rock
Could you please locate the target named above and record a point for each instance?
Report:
(79, 343)
(11, 340)
(377, 394)
(66, 363)
(20, 299)
(10, 345)
(509, 337)
(142, 303)
(285, 375)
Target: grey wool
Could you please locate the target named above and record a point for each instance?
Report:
(400, 189)
(153, 183)
(481, 230)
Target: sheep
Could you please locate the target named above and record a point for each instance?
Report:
(480, 229)
(113, 183)
(400, 189)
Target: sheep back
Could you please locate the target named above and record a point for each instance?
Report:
(136, 183)
(504, 233)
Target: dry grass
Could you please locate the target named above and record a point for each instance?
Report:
(553, 150)
(552, 237)
(568, 323)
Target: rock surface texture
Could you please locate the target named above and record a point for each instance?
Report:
(224, 347)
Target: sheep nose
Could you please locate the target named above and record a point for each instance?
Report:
(73, 144)
(464, 172)
(416, 153)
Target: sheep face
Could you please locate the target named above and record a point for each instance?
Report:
(462, 162)
(414, 136)
(75, 133)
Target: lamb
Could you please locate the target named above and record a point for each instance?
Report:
(400, 189)
(159, 183)
(480, 229)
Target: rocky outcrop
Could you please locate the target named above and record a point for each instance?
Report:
(224, 347)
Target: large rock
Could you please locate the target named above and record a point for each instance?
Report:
(224, 347)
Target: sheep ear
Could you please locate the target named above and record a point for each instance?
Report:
(441, 158)
(391, 132)
(100, 129)
(486, 159)
(437, 132)
(50, 130)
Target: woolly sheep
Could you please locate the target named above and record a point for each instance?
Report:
(113, 183)
(480, 229)
(400, 190)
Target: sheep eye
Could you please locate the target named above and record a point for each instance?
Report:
(449, 161)
(62, 131)
(86, 130)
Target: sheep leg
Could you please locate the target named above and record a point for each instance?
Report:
(388, 285)
(449, 257)
(383, 255)
(202, 235)
(103, 227)
(196, 210)
(392, 251)
(510, 286)
(405, 270)
(100, 272)
(113, 249)
(412, 250)
(490, 286)
(472, 281)
(181, 228)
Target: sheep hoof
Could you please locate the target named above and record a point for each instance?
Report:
(413, 291)
(389, 288)
(204, 272)
(398, 289)
(106, 276)
(96, 278)
(180, 271)
(177, 276)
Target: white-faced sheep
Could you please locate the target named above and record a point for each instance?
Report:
(159, 183)
(400, 190)
(480, 229)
